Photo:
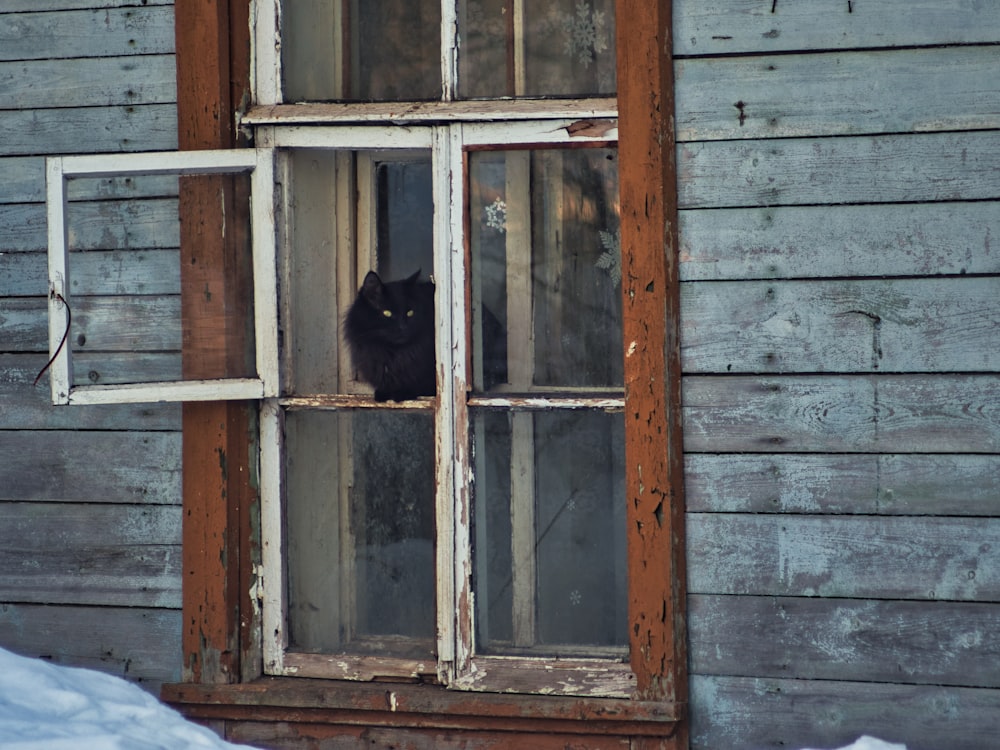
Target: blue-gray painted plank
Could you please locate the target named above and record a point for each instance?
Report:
(86, 32)
(135, 643)
(94, 225)
(744, 712)
(842, 414)
(732, 26)
(886, 325)
(940, 643)
(841, 93)
(24, 182)
(880, 557)
(847, 170)
(867, 484)
(91, 467)
(24, 406)
(97, 272)
(73, 553)
(89, 130)
(88, 82)
(910, 239)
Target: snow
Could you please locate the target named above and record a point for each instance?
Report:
(870, 743)
(47, 707)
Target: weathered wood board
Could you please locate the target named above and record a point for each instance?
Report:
(24, 406)
(747, 712)
(90, 467)
(139, 644)
(85, 553)
(739, 26)
(846, 170)
(842, 414)
(905, 239)
(84, 28)
(836, 93)
(95, 272)
(878, 557)
(951, 643)
(87, 82)
(80, 130)
(844, 483)
(889, 325)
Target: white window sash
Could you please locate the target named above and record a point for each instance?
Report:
(259, 163)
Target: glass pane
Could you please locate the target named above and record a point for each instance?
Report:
(546, 269)
(361, 50)
(129, 318)
(517, 48)
(549, 562)
(360, 532)
(350, 213)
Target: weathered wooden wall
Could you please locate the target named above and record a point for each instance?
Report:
(89, 496)
(840, 323)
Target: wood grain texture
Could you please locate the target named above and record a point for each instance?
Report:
(82, 28)
(910, 326)
(846, 170)
(88, 82)
(772, 713)
(842, 414)
(89, 467)
(96, 272)
(906, 642)
(138, 644)
(909, 239)
(80, 553)
(872, 484)
(741, 26)
(81, 130)
(929, 558)
(837, 93)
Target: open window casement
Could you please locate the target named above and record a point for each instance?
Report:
(477, 538)
(131, 338)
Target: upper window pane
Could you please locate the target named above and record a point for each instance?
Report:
(392, 50)
(545, 269)
(349, 50)
(514, 48)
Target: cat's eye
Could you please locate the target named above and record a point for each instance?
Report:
(409, 313)
(387, 313)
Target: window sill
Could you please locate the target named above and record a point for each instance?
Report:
(383, 704)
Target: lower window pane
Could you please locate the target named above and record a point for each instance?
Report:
(549, 559)
(360, 539)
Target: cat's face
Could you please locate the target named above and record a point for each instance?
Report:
(395, 309)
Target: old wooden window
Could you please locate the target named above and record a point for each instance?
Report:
(521, 531)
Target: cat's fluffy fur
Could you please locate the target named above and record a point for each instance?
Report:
(390, 332)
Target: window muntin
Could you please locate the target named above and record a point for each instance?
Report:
(406, 50)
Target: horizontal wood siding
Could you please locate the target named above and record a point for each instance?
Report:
(90, 496)
(840, 275)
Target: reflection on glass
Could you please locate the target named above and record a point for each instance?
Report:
(517, 48)
(546, 269)
(360, 521)
(348, 212)
(349, 50)
(549, 563)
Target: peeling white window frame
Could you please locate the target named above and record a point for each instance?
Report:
(259, 164)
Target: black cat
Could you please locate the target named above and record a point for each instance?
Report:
(390, 331)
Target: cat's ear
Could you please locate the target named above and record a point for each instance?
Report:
(413, 277)
(372, 288)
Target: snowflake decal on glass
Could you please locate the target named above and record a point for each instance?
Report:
(496, 215)
(586, 35)
(611, 259)
(575, 597)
